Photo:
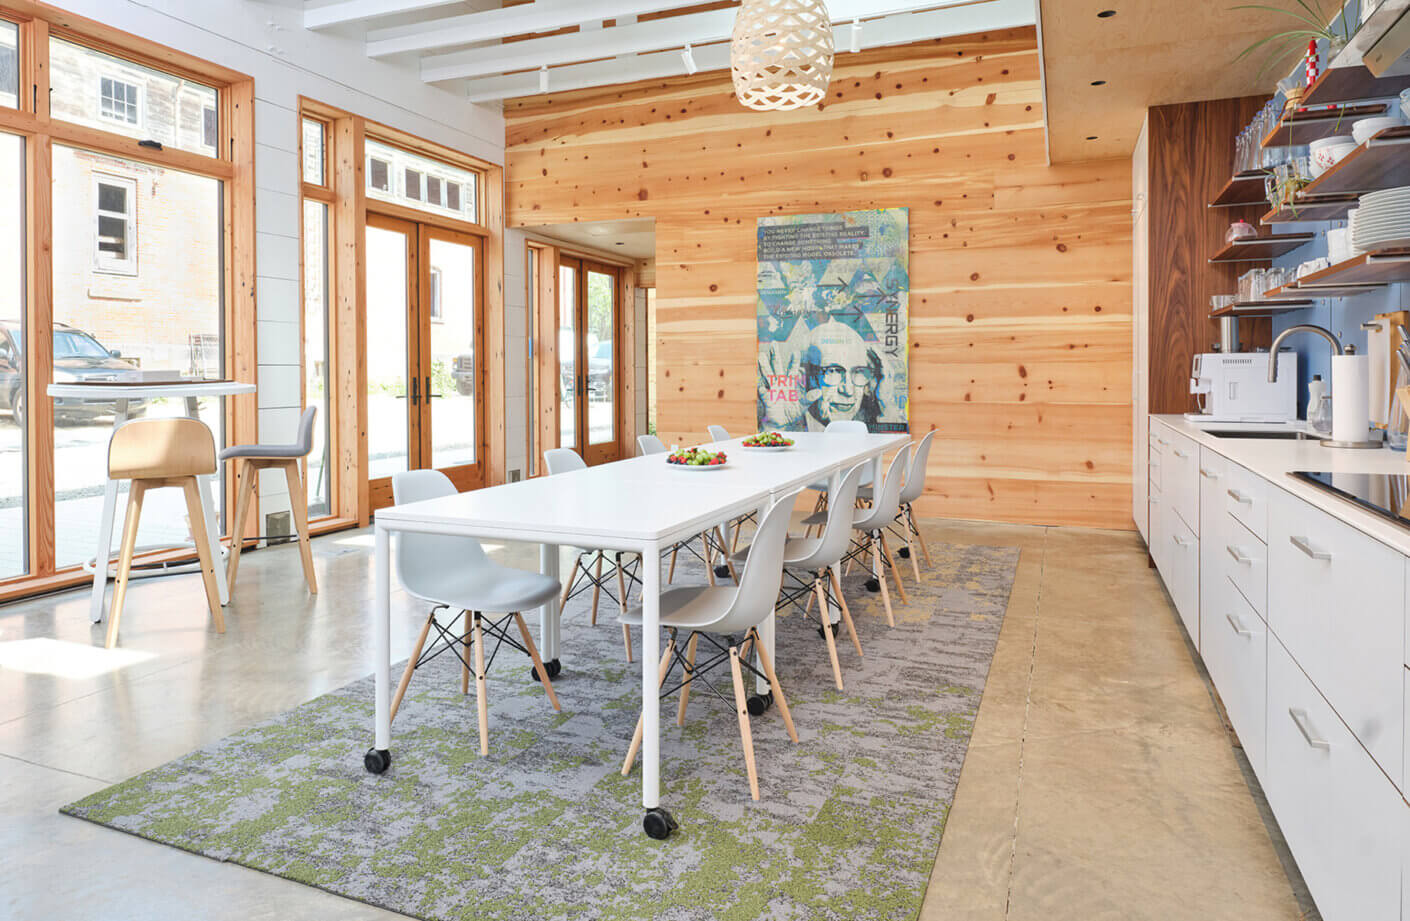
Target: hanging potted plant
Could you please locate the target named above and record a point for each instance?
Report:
(1312, 23)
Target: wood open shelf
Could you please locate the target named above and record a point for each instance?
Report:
(1383, 162)
(1305, 126)
(1261, 249)
(1347, 84)
(1385, 267)
(1296, 289)
(1261, 308)
(1320, 208)
(1244, 189)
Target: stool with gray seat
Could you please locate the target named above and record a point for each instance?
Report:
(249, 461)
(453, 574)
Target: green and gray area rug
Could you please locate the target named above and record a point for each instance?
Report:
(546, 827)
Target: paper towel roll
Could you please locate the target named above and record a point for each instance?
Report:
(1351, 411)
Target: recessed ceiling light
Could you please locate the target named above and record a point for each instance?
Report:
(1091, 137)
(621, 244)
(1099, 83)
(1106, 14)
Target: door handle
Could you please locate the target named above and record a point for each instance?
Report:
(415, 391)
(1306, 547)
(1304, 726)
(1239, 628)
(429, 394)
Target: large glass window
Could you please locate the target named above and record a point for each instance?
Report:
(9, 65)
(14, 557)
(91, 88)
(316, 295)
(160, 319)
(405, 178)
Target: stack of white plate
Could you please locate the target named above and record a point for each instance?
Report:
(1382, 220)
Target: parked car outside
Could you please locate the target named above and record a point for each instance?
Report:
(463, 373)
(78, 357)
(600, 368)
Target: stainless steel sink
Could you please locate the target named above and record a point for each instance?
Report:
(1234, 433)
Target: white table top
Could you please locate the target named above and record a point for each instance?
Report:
(625, 504)
(110, 391)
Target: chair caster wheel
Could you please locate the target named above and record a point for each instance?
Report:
(721, 572)
(904, 553)
(659, 824)
(834, 628)
(873, 585)
(552, 666)
(377, 760)
(758, 703)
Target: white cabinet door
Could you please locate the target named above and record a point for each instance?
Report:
(1213, 523)
(1340, 815)
(1234, 646)
(1182, 571)
(1336, 601)
(1246, 561)
(1180, 479)
(1247, 496)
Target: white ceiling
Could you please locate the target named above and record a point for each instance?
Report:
(491, 51)
(631, 239)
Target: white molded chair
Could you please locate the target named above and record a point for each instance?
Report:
(839, 427)
(454, 574)
(589, 561)
(722, 611)
(817, 557)
(717, 432)
(911, 491)
(872, 522)
(711, 541)
(650, 444)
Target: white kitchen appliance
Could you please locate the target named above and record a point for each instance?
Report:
(1235, 388)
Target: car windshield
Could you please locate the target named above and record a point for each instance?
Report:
(72, 344)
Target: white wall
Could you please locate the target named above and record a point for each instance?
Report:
(267, 41)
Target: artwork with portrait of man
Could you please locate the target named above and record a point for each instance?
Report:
(833, 296)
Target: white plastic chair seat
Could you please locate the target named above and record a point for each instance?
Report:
(488, 587)
(820, 518)
(795, 549)
(689, 607)
(825, 485)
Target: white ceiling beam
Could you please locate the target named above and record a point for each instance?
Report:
(345, 11)
(896, 29)
(542, 16)
(659, 34)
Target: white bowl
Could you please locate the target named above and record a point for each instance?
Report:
(1326, 152)
(1366, 128)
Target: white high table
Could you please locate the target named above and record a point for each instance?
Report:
(642, 505)
(119, 395)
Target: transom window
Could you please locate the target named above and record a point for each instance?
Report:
(406, 178)
(118, 100)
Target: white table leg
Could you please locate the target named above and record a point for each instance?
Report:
(382, 638)
(549, 615)
(210, 488)
(105, 532)
(650, 691)
(766, 628)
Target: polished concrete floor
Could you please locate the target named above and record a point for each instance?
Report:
(1101, 782)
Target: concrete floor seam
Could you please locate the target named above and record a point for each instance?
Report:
(1023, 731)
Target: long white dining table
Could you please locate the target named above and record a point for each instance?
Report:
(642, 505)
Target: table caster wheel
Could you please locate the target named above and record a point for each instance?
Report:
(873, 585)
(659, 824)
(758, 703)
(904, 553)
(377, 760)
(721, 572)
(552, 666)
(833, 627)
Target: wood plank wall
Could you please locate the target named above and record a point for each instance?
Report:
(1191, 157)
(1020, 311)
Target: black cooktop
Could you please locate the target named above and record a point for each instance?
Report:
(1386, 494)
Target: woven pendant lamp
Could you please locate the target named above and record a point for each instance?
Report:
(781, 53)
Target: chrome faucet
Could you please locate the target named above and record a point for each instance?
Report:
(1302, 328)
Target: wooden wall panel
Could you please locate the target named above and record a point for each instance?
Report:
(1191, 157)
(1020, 305)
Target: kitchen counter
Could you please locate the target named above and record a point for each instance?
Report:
(1275, 459)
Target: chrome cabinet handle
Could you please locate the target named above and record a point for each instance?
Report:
(1154, 500)
(1210, 474)
(1238, 626)
(1180, 541)
(1178, 453)
(1239, 497)
(1239, 556)
(1304, 726)
(1306, 547)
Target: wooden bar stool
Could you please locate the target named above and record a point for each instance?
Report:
(249, 461)
(153, 453)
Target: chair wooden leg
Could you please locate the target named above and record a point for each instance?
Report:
(482, 703)
(689, 676)
(135, 493)
(895, 570)
(298, 503)
(671, 576)
(827, 631)
(846, 614)
(410, 667)
(568, 586)
(879, 573)
(780, 701)
(641, 720)
(728, 562)
(627, 641)
(246, 477)
(709, 557)
(538, 663)
(203, 550)
(746, 738)
(910, 518)
(597, 590)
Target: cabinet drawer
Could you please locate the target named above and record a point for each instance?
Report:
(1247, 500)
(1181, 571)
(1246, 563)
(1340, 815)
(1157, 454)
(1214, 528)
(1180, 479)
(1234, 646)
(1336, 601)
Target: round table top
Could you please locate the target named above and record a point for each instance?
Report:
(109, 390)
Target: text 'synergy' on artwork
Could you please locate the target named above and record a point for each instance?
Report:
(833, 297)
